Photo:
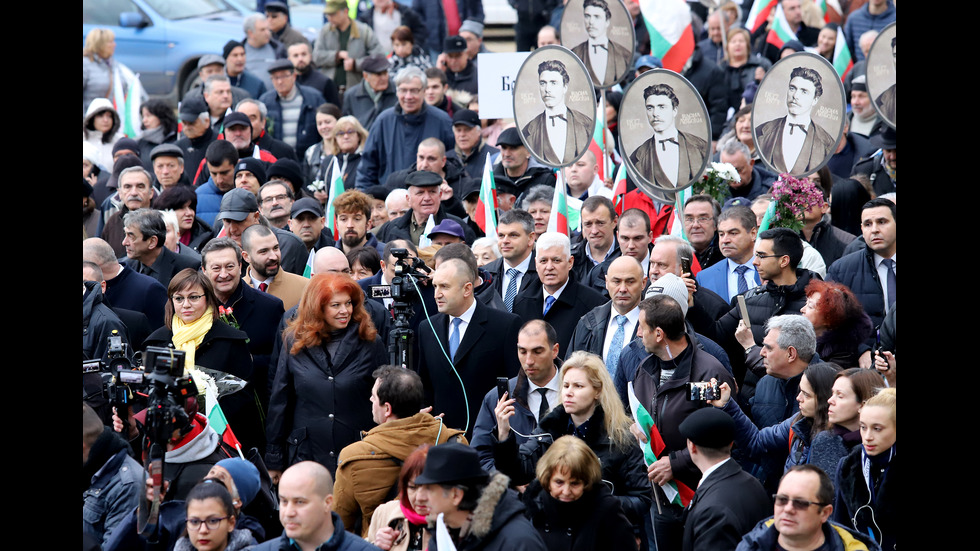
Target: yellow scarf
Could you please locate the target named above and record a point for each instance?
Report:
(188, 336)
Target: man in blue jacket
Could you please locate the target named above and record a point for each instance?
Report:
(292, 108)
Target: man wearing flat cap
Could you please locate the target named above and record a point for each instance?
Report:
(372, 95)
(728, 501)
(453, 484)
(471, 149)
(292, 108)
(460, 71)
(424, 198)
(168, 167)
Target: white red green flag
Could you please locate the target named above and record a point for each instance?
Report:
(308, 269)
(676, 491)
(130, 116)
(334, 188)
(842, 55)
(559, 208)
(598, 144)
(619, 188)
(214, 413)
(780, 32)
(759, 14)
(671, 35)
(831, 10)
(486, 204)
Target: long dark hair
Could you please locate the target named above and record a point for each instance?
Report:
(162, 110)
(821, 377)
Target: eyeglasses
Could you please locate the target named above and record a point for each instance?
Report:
(700, 219)
(180, 300)
(762, 256)
(408, 91)
(272, 198)
(213, 523)
(801, 504)
(345, 132)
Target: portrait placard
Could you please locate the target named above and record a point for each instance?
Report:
(600, 33)
(881, 74)
(798, 114)
(554, 106)
(495, 81)
(665, 133)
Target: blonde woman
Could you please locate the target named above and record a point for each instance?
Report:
(591, 410)
(100, 68)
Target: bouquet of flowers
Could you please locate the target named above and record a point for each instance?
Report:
(792, 198)
(716, 180)
(227, 315)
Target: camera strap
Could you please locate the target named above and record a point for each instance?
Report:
(148, 513)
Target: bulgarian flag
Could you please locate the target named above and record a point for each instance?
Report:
(214, 413)
(130, 114)
(486, 204)
(759, 14)
(842, 55)
(334, 189)
(831, 10)
(780, 32)
(671, 36)
(308, 270)
(619, 189)
(676, 491)
(598, 144)
(559, 208)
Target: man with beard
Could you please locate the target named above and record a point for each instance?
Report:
(301, 56)
(240, 210)
(275, 203)
(260, 248)
(353, 211)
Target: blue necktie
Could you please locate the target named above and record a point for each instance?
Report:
(892, 284)
(743, 286)
(549, 301)
(511, 292)
(616, 346)
(454, 338)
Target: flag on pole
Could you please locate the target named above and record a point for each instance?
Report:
(671, 35)
(597, 145)
(334, 188)
(559, 208)
(214, 413)
(130, 116)
(759, 14)
(619, 189)
(831, 11)
(780, 32)
(486, 204)
(676, 491)
(308, 270)
(842, 55)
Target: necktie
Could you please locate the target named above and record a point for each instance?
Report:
(892, 291)
(263, 286)
(663, 143)
(553, 117)
(743, 286)
(616, 346)
(454, 338)
(511, 292)
(543, 408)
(792, 124)
(595, 48)
(548, 302)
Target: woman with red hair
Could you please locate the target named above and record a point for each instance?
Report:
(838, 320)
(400, 524)
(322, 386)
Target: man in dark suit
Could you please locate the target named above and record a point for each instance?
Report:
(679, 157)
(728, 501)
(557, 299)
(794, 143)
(601, 55)
(736, 239)
(479, 341)
(125, 288)
(515, 272)
(558, 134)
(145, 235)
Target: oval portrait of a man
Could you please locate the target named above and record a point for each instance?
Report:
(798, 114)
(665, 132)
(554, 106)
(881, 74)
(600, 33)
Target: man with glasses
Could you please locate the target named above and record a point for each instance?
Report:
(257, 314)
(801, 517)
(396, 133)
(275, 202)
(701, 228)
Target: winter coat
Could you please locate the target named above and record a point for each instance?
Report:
(318, 405)
(390, 515)
(238, 540)
(103, 146)
(840, 344)
(764, 536)
(409, 17)
(367, 471)
(851, 493)
(341, 540)
(306, 133)
(393, 140)
(624, 469)
(434, 14)
(792, 436)
(498, 523)
(858, 272)
(485, 428)
(594, 521)
(861, 21)
(829, 240)
(361, 106)
(98, 322)
(209, 202)
(709, 80)
(739, 77)
(171, 525)
(361, 44)
(113, 494)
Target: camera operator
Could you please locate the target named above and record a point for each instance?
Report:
(98, 324)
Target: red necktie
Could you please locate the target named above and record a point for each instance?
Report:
(263, 286)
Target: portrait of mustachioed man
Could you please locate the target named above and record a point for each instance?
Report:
(882, 79)
(600, 33)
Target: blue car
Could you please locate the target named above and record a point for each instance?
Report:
(163, 39)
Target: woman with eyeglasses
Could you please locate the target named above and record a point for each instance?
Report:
(323, 379)
(401, 524)
(210, 524)
(866, 477)
(343, 140)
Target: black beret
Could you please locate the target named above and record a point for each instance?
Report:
(709, 427)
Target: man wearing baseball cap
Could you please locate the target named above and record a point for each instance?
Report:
(372, 95)
(460, 71)
(452, 484)
(471, 149)
(446, 232)
(197, 133)
(307, 222)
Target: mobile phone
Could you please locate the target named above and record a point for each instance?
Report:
(703, 391)
(686, 265)
(502, 387)
(744, 309)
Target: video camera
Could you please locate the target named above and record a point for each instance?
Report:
(410, 272)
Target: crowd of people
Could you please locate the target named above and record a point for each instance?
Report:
(618, 387)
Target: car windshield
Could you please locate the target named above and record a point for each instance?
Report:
(184, 9)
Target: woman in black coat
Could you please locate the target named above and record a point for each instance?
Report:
(569, 504)
(322, 388)
(192, 324)
(592, 411)
(839, 321)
